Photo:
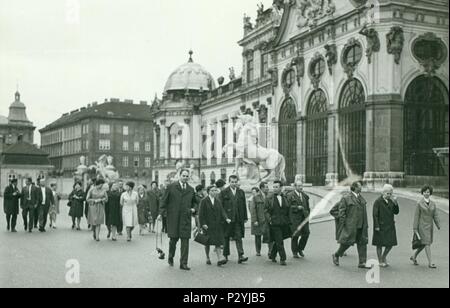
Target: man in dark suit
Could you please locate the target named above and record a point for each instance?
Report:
(28, 203)
(45, 199)
(178, 204)
(353, 225)
(278, 217)
(11, 205)
(299, 215)
(234, 203)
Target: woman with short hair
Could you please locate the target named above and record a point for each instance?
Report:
(129, 201)
(76, 203)
(424, 219)
(97, 198)
(113, 211)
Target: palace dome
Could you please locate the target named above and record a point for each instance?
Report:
(190, 76)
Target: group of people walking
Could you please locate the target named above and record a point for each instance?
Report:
(220, 214)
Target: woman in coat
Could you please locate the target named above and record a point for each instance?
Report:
(212, 216)
(76, 202)
(426, 214)
(113, 210)
(129, 201)
(54, 208)
(97, 198)
(384, 234)
(143, 208)
(259, 227)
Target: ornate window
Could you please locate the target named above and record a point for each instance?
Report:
(175, 141)
(287, 137)
(351, 56)
(425, 126)
(317, 138)
(352, 130)
(288, 79)
(316, 69)
(430, 51)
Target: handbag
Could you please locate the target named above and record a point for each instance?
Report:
(416, 242)
(201, 237)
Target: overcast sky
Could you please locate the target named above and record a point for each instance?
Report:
(63, 58)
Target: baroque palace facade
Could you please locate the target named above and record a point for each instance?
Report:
(340, 88)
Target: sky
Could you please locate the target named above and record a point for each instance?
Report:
(65, 54)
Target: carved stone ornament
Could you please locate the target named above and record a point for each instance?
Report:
(358, 3)
(299, 63)
(262, 113)
(331, 55)
(373, 41)
(274, 76)
(309, 12)
(349, 68)
(395, 41)
(430, 51)
(315, 80)
(287, 78)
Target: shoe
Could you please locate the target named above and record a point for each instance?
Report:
(93, 235)
(274, 260)
(222, 262)
(114, 239)
(120, 233)
(335, 259)
(54, 227)
(14, 231)
(283, 263)
(383, 265)
(301, 254)
(78, 229)
(363, 266)
(42, 230)
(258, 254)
(109, 235)
(414, 261)
(73, 227)
(296, 256)
(184, 268)
(170, 261)
(98, 240)
(7, 228)
(242, 259)
(29, 231)
(433, 266)
(208, 262)
(25, 228)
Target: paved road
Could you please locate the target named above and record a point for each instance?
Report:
(38, 260)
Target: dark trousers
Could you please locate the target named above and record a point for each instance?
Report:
(43, 213)
(184, 249)
(11, 220)
(362, 248)
(258, 243)
(28, 213)
(120, 225)
(278, 247)
(235, 230)
(35, 216)
(299, 242)
(164, 225)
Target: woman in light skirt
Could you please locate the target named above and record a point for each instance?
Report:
(97, 197)
(129, 201)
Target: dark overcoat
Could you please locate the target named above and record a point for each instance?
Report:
(298, 216)
(383, 218)
(214, 217)
(153, 198)
(278, 215)
(143, 209)
(236, 209)
(349, 208)
(11, 201)
(27, 194)
(177, 206)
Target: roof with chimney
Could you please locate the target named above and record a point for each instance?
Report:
(112, 109)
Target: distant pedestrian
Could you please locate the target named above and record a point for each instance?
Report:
(11, 205)
(129, 201)
(76, 200)
(143, 208)
(257, 206)
(97, 198)
(424, 219)
(298, 202)
(113, 211)
(212, 218)
(385, 235)
(353, 225)
(28, 203)
(54, 208)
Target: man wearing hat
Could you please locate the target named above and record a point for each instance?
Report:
(11, 205)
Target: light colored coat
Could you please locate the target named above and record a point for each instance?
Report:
(423, 221)
(129, 209)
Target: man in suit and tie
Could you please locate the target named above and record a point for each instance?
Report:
(278, 216)
(234, 203)
(45, 199)
(353, 225)
(178, 204)
(28, 203)
(299, 216)
(11, 205)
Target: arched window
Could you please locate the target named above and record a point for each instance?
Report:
(287, 137)
(175, 141)
(425, 126)
(352, 130)
(317, 138)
